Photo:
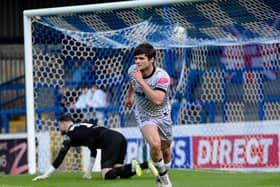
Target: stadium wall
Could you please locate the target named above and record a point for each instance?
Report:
(13, 154)
(245, 146)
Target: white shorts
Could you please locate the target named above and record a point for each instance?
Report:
(163, 122)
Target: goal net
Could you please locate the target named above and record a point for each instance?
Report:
(222, 57)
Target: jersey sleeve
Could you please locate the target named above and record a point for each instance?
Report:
(131, 69)
(63, 150)
(162, 81)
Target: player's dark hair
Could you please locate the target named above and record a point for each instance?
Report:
(145, 48)
(66, 118)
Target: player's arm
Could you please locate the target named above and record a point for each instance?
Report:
(156, 96)
(129, 101)
(88, 171)
(63, 150)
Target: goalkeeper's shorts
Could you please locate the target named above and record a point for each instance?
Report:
(114, 150)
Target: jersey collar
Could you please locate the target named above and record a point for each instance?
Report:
(154, 69)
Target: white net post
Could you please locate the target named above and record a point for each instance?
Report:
(29, 95)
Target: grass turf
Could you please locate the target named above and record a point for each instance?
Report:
(180, 178)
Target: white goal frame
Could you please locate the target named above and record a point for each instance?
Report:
(27, 16)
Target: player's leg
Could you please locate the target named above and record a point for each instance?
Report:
(106, 175)
(165, 133)
(163, 179)
(166, 152)
(149, 130)
(137, 167)
(151, 135)
(128, 170)
(124, 171)
(115, 155)
(107, 164)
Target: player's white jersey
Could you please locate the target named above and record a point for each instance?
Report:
(160, 80)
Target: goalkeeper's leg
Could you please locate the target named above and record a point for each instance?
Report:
(136, 168)
(128, 170)
(125, 171)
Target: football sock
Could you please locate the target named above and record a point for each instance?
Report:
(144, 165)
(167, 165)
(160, 166)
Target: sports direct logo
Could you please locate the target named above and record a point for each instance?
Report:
(240, 151)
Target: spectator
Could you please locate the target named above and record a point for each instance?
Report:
(97, 98)
(82, 100)
(77, 75)
(62, 99)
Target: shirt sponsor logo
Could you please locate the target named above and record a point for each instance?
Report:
(163, 80)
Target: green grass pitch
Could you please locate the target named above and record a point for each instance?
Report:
(180, 178)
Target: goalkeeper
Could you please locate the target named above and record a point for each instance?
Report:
(113, 149)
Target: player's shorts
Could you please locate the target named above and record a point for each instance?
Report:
(115, 149)
(162, 121)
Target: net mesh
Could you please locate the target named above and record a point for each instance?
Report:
(222, 57)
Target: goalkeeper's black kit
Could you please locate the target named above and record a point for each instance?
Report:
(112, 143)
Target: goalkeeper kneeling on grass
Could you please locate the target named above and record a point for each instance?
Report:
(113, 149)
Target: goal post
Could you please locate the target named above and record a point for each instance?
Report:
(223, 68)
(28, 16)
(30, 114)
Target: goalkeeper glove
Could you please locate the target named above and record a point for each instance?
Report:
(87, 174)
(45, 175)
